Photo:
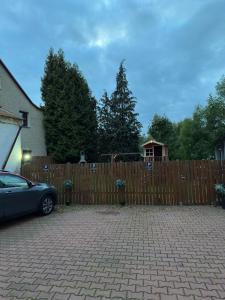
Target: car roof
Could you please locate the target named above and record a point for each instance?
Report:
(8, 172)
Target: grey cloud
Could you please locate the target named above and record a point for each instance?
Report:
(174, 50)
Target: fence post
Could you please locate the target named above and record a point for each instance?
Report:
(68, 188)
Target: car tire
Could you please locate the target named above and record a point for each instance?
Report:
(46, 205)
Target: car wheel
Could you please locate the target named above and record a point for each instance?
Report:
(47, 205)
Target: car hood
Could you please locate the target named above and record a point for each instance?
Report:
(43, 184)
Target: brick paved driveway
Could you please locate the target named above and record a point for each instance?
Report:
(99, 252)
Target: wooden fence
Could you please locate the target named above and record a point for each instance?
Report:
(167, 183)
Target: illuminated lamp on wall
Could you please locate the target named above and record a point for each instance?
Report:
(26, 156)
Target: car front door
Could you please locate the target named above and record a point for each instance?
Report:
(2, 200)
(16, 195)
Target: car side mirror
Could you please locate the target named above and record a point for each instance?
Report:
(30, 184)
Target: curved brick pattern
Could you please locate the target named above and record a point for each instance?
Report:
(108, 252)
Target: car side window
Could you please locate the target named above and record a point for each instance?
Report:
(2, 185)
(7, 181)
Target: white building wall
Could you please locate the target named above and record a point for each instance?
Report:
(7, 135)
(13, 100)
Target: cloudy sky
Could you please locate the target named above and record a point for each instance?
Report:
(174, 49)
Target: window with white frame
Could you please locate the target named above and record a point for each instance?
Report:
(149, 152)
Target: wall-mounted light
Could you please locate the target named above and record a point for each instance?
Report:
(26, 155)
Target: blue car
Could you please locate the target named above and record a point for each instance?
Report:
(19, 196)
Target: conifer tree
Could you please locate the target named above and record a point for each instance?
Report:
(125, 128)
(104, 125)
(53, 95)
(69, 111)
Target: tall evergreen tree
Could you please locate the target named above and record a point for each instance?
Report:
(53, 95)
(105, 132)
(69, 111)
(125, 127)
(82, 108)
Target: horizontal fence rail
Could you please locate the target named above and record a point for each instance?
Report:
(166, 182)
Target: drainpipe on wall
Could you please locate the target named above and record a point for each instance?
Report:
(11, 148)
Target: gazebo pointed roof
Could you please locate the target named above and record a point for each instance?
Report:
(153, 141)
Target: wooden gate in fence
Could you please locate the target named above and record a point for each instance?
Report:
(167, 183)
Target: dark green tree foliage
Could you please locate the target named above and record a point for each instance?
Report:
(164, 131)
(53, 95)
(193, 137)
(201, 139)
(215, 118)
(185, 138)
(105, 131)
(118, 127)
(125, 128)
(220, 88)
(69, 111)
(161, 129)
(142, 139)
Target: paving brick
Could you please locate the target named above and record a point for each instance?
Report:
(151, 283)
(59, 296)
(145, 289)
(102, 293)
(43, 288)
(74, 297)
(87, 292)
(197, 285)
(168, 297)
(133, 295)
(57, 289)
(124, 287)
(217, 287)
(30, 295)
(119, 294)
(115, 287)
(19, 280)
(29, 287)
(181, 297)
(83, 284)
(166, 284)
(178, 291)
(148, 296)
(16, 286)
(72, 290)
(173, 278)
(15, 293)
(209, 293)
(159, 290)
(44, 295)
(182, 285)
(4, 284)
(95, 285)
(203, 298)
(193, 292)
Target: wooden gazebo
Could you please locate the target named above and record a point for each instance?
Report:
(155, 151)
